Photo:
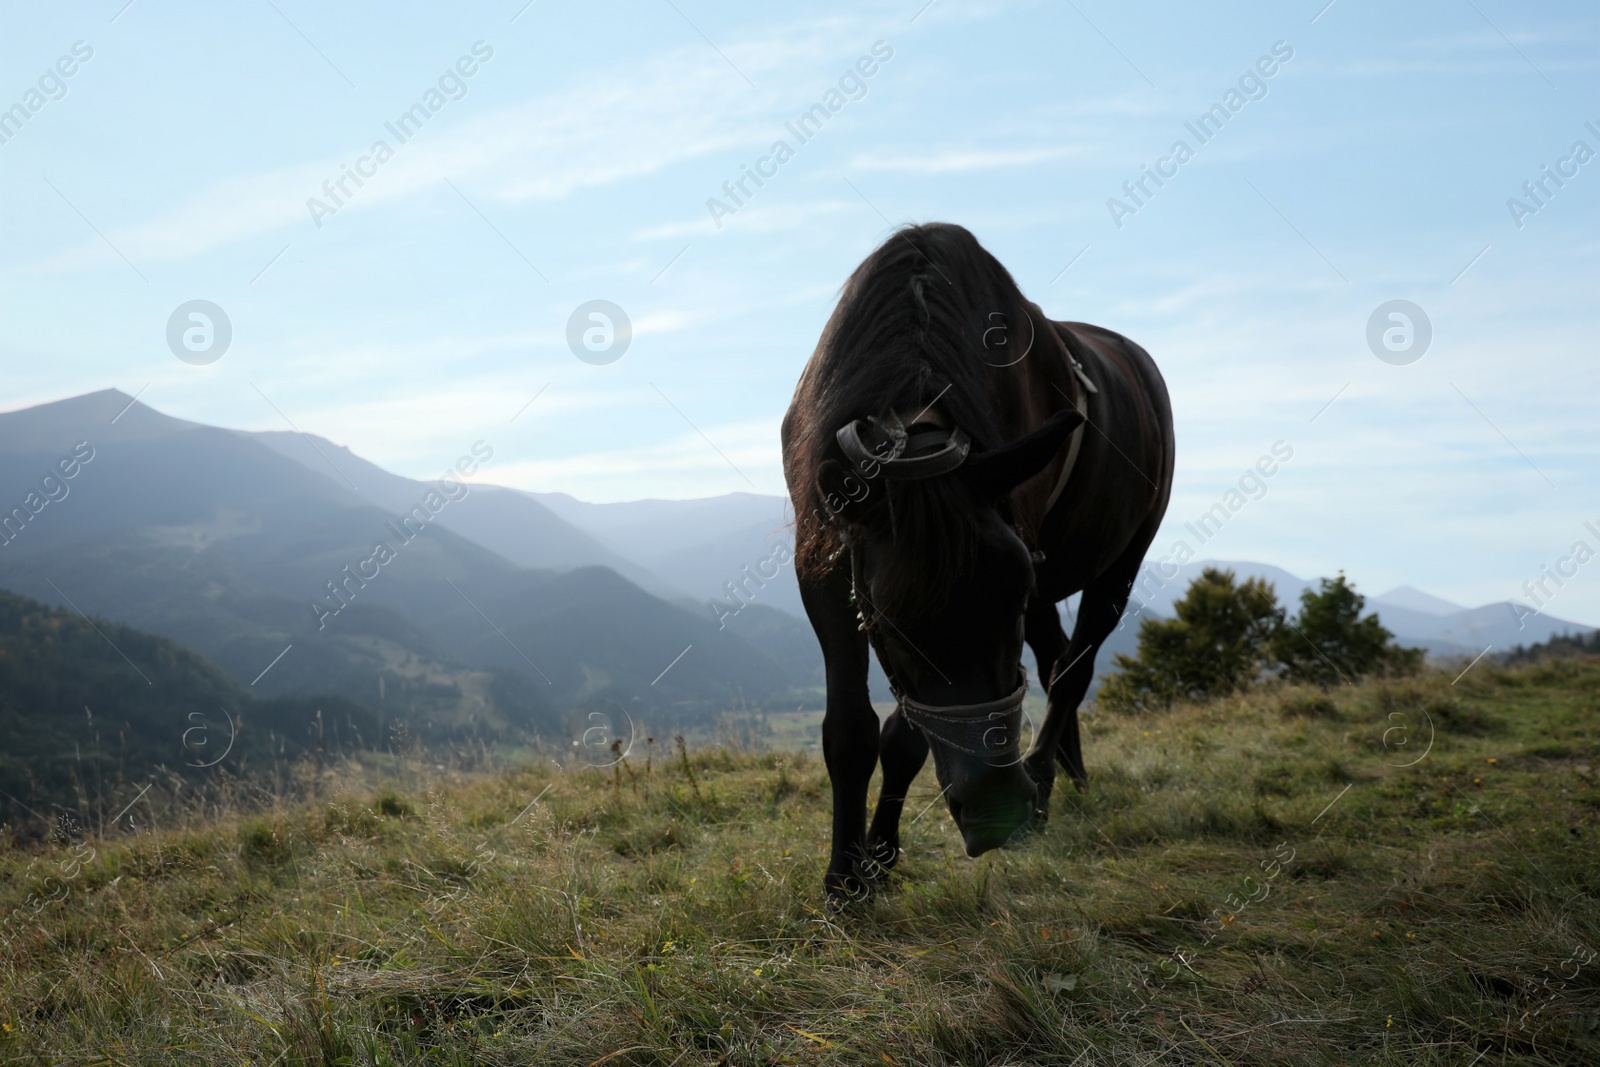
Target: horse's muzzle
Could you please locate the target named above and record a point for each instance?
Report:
(978, 756)
(999, 812)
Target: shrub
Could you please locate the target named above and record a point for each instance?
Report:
(1330, 642)
(1226, 637)
(1219, 642)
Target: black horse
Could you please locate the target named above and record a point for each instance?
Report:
(958, 464)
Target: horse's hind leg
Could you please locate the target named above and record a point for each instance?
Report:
(903, 750)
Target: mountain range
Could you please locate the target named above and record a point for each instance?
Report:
(489, 613)
(488, 610)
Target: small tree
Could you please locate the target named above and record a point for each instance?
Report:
(1330, 642)
(1220, 641)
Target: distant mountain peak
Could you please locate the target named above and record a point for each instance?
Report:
(1407, 596)
(72, 399)
(102, 415)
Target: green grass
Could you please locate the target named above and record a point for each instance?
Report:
(671, 912)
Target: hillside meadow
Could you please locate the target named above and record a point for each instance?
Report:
(1401, 872)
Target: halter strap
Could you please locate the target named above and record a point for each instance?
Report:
(1081, 402)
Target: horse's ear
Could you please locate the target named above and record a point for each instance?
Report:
(842, 489)
(995, 473)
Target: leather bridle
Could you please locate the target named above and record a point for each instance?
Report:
(992, 729)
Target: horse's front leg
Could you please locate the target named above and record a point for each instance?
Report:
(850, 747)
(1102, 605)
(849, 730)
(904, 750)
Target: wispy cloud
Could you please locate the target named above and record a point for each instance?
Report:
(692, 466)
(961, 160)
(616, 126)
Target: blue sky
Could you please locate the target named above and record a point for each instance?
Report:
(576, 163)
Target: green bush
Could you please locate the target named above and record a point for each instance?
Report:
(1225, 637)
(1219, 642)
(1330, 642)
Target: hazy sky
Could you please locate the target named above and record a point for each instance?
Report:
(422, 309)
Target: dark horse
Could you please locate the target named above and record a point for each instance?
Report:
(958, 464)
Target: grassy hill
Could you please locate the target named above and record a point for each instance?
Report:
(1397, 873)
(93, 712)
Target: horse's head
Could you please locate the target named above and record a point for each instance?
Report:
(941, 582)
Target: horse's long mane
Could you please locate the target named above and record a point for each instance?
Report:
(908, 332)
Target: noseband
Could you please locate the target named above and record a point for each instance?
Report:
(992, 729)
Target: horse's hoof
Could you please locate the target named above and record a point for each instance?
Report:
(881, 858)
(1045, 785)
(844, 890)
